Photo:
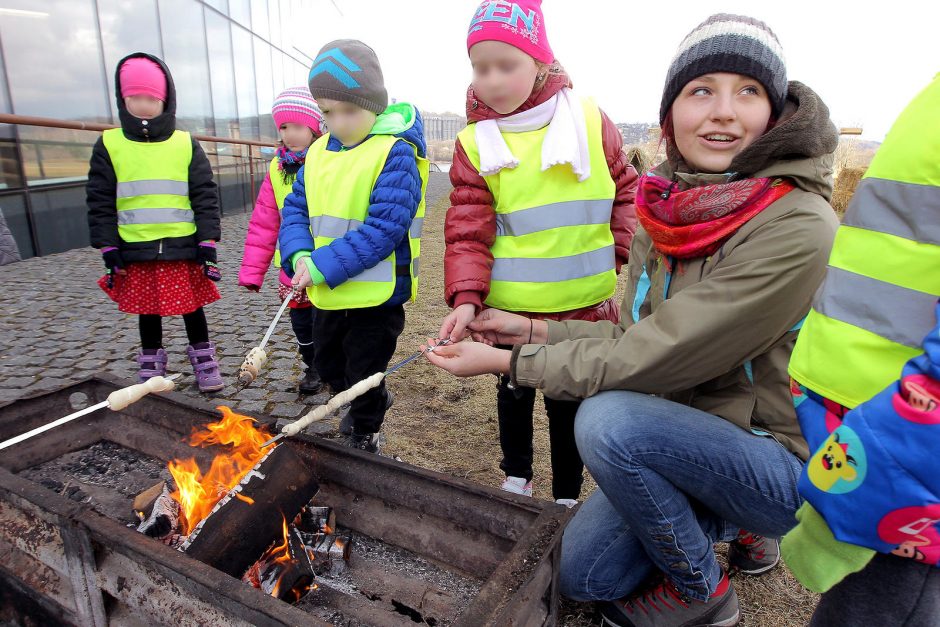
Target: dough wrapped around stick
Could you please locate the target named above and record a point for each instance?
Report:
(119, 399)
(254, 362)
(347, 396)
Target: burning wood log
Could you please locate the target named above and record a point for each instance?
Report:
(316, 519)
(163, 521)
(285, 571)
(330, 552)
(241, 525)
(144, 501)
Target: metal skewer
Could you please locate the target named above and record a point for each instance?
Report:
(128, 395)
(374, 381)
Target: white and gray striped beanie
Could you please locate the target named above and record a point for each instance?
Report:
(729, 43)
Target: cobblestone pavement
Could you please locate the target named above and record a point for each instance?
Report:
(57, 326)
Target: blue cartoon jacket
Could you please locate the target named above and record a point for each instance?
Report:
(875, 473)
(392, 206)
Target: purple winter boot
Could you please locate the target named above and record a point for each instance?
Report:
(152, 362)
(205, 366)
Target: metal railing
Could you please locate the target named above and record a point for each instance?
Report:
(30, 120)
(252, 157)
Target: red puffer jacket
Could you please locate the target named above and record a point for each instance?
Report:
(470, 227)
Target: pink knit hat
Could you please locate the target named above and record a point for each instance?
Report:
(296, 105)
(519, 23)
(141, 76)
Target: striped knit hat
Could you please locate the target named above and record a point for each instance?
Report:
(729, 43)
(296, 105)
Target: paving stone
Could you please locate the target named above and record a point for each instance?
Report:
(288, 410)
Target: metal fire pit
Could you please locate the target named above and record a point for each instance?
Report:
(63, 562)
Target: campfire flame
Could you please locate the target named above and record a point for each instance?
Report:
(197, 493)
(280, 555)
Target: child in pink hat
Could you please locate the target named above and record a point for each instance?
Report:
(153, 211)
(299, 123)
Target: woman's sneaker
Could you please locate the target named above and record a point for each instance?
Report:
(662, 605)
(517, 485)
(569, 503)
(752, 554)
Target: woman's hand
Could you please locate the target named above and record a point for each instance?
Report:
(455, 324)
(494, 326)
(468, 359)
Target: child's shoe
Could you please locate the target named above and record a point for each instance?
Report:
(311, 382)
(517, 485)
(205, 366)
(152, 363)
(368, 442)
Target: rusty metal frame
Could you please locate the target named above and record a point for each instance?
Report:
(92, 569)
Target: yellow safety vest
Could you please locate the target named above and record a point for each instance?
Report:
(152, 186)
(876, 304)
(281, 191)
(554, 250)
(338, 186)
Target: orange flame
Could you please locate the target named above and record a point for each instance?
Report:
(197, 493)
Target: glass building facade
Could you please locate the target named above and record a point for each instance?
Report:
(229, 58)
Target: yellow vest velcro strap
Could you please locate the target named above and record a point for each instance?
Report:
(907, 324)
(332, 227)
(918, 209)
(152, 215)
(384, 272)
(127, 189)
(553, 269)
(417, 225)
(553, 216)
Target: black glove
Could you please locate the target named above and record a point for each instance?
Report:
(113, 262)
(112, 259)
(208, 257)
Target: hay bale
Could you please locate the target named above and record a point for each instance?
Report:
(844, 188)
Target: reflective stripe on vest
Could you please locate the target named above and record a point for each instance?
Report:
(328, 226)
(338, 187)
(551, 229)
(876, 304)
(281, 191)
(152, 193)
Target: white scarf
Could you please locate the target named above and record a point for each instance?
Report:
(565, 140)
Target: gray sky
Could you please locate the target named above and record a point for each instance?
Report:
(866, 63)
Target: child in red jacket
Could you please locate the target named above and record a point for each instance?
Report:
(542, 215)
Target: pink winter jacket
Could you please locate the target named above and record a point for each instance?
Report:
(261, 241)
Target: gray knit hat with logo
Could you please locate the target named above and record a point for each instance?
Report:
(348, 70)
(729, 43)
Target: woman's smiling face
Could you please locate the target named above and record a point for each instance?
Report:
(716, 116)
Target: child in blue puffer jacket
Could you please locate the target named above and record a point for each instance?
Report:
(351, 227)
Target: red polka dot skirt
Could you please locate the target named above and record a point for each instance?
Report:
(164, 288)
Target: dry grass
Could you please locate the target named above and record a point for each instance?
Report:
(844, 188)
(449, 425)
